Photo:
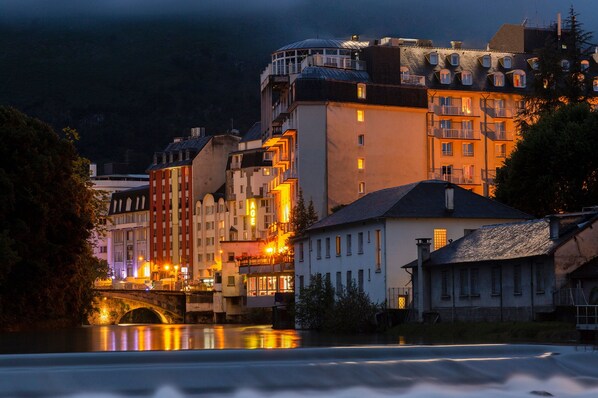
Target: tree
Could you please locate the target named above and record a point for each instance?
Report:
(353, 312)
(554, 167)
(47, 212)
(303, 217)
(559, 78)
(315, 304)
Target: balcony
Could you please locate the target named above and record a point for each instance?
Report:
(455, 176)
(286, 177)
(498, 135)
(452, 110)
(454, 133)
(489, 176)
(332, 61)
(266, 264)
(413, 80)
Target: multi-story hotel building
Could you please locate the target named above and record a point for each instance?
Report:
(180, 176)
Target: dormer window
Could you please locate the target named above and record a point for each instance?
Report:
(432, 58)
(585, 65)
(507, 62)
(534, 63)
(595, 85)
(565, 65)
(444, 75)
(404, 72)
(518, 78)
(466, 78)
(497, 78)
(361, 90)
(485, 61)
(453, 59)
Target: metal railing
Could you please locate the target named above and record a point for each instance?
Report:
(333, 61)
(569, 297)
(456, 176)
(462, 134)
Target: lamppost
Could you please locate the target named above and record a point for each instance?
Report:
(176, 275)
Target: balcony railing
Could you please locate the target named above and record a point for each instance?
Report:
(413, 80)
(266, 264)
(462, 134)
(333, 62)
(456, 176)
(500, 135)
(488, 176)
(287, 176)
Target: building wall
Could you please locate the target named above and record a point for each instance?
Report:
(393, 150)
(209, 166)
(211, 223)
(575, 252)
(130, 251)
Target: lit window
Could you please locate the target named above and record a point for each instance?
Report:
(444, 76)
(454, 59)
(360, 115)
(378, 249)
(360, 163)
(485, 61)
(506, 62)
(468, 149)
(361, 90)
(338, 245)
(361, 140)
(468, 173)
(518, 77)
(432, 58)
(466, 105)
(439, 238)
(447, 149)
(595, 84)
(498, 79)
(585, 65)
(361, 187)
(266, 171)
(466, 78)
(404, 73)
(500, 150)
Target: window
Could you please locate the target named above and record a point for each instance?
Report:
(496, 281)
(518, 77)
(319, 248)
(463, 282)
(517, 279)
(339, 283)
(360, 243)
(361, 90)
(444, 76)
(327, 247)
(447, 149)
(565, 65)
(360, 280)
(468, 173)
(467, 129)
(231, 281)
(378, 250)
(466, 78)
(300, 251)
(266, 171)
(361, 187)
(444, 292)
(360, 115)
(534, 63)
(349, 278)
(485, 61)
(432, 58)
(348, 244)
(468, 149)
(360, 163)
(585, 65)
(453, 59)
(439, 238)
(361, 140)
(338, 245)
(446, 172)
(474, 282)
(498, 79)
(500, 150)
(404, 73)
(301, 282)
(506, 62)
(500, 130)
(466, 105)
(595, 84)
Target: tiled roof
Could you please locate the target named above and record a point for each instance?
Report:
(425, 199)
(254, 133)
(507, 241)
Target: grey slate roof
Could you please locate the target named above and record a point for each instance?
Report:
(424, 199)
(139, 197)
(324, 43)
(510, 241)
(316, 72)
(192, 144)
(251, 158)
(254, 133)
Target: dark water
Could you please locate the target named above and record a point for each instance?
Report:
(174, 337)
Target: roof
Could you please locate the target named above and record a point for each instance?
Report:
(510, 241)
(587, 271)
(250, 158)
(254, 133)
(424, 199)
(130, 200)
(324, 43)
(315, 72)
(179, 149)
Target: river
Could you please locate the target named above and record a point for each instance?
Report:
(231, 361)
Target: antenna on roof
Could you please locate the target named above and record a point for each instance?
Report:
(524, 23)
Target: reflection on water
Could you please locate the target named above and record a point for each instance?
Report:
(189, 337)
(149, 337)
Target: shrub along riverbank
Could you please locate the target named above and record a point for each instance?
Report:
(486, 332)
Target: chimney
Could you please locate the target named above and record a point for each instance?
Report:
(155, 158)
(198, 132)
(456, 44)
(449, 197)
(554, 227)
(423, 254)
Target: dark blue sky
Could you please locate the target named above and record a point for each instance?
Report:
(473, 21)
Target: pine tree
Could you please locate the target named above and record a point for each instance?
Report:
(302, 217)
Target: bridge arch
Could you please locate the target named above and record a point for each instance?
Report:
(112, 305)
(142, 315)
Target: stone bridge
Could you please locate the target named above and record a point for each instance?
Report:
(112, 305)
